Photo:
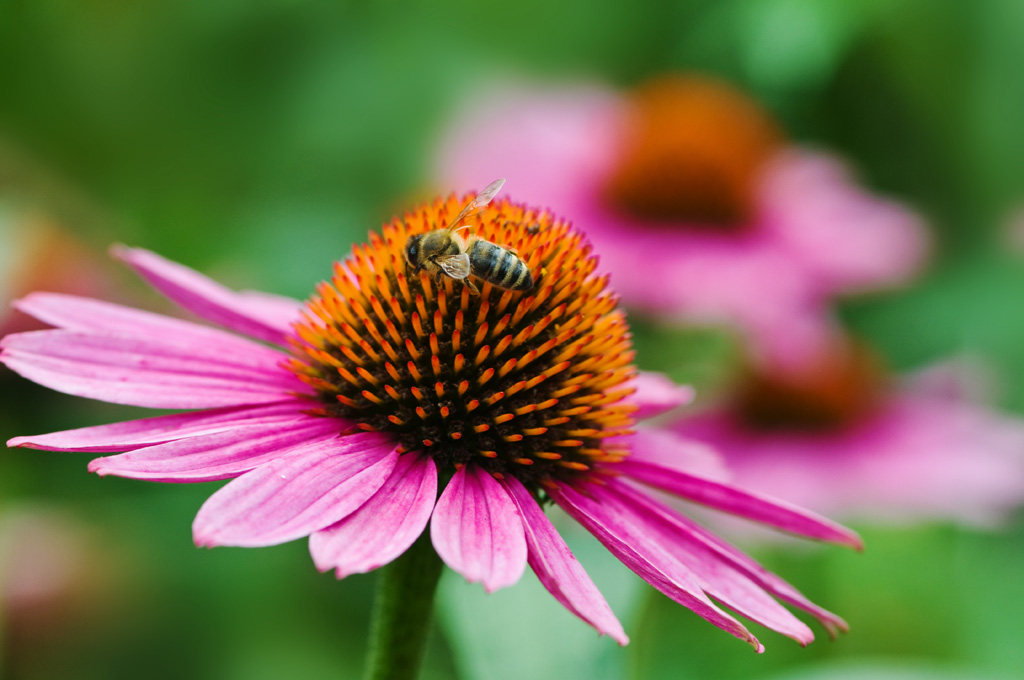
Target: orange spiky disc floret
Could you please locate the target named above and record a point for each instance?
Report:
(527, 383)
(692, 152)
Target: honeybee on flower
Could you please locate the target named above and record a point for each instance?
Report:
(446, 253)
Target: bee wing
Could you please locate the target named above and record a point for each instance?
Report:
(455, 266)
(478, 203)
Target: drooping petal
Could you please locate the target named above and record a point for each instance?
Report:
(223, 454)
(258, 316)
(741, 503)
(718, 577)
(770, 582)
(134, 434)
(477, 530)
(656, 394)
(296, 495)
(155, 372)
(558, 569)
(385, 526)
(609, 521)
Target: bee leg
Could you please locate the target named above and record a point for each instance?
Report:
(472, 286)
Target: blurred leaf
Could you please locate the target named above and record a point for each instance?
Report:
(705, 358)
(885, 670)
(969, 309)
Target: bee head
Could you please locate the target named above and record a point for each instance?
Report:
(413, 248)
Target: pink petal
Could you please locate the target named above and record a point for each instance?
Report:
(135, 434)
(656, 394)
(558, 569)
(86, 315)
(612, 523)
(549, 145)
(741, 503)
(764, 578)
(261, 317)
(477, 530)
(277, 310)
(296, 495)
(385, 526)
(846, 237)
(223, 454)
(156, 372)
(718, 577)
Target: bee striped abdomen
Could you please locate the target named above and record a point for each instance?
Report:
(499, 266)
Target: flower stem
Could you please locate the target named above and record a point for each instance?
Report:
(402, 613)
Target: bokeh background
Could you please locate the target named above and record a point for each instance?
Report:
(256, 141)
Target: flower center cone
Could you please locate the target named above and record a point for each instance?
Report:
(691, 151)
(831, 393)
(529, 383)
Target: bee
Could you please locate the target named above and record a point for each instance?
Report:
(446, 253)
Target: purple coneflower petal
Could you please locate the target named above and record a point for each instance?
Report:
(637, 546)
(134, 434)
(666, 449)
(718, 578)
(220, 455)
(155, 372)
(277, 310)
(383, 527)
(741, 503)
(477, 530)
(258, 316)
(764, 578)
(97, 317)
(294, 496)
(656, 394)
(847, 237)
(558, 569)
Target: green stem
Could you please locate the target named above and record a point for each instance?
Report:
(402, 613)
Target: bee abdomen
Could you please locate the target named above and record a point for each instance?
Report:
(499, 266)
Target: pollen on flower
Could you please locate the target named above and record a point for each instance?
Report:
(692, 150)
(517, 382)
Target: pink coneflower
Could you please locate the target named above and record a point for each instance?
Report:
(837, 436)
(699, 207)
(391, 401)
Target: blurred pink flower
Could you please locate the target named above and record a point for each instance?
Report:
(838, 438)
(374, 423)
(698, 207)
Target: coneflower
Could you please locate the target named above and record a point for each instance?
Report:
(702, 210)
(390, 401)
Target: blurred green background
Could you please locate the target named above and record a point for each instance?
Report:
(257, 140)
